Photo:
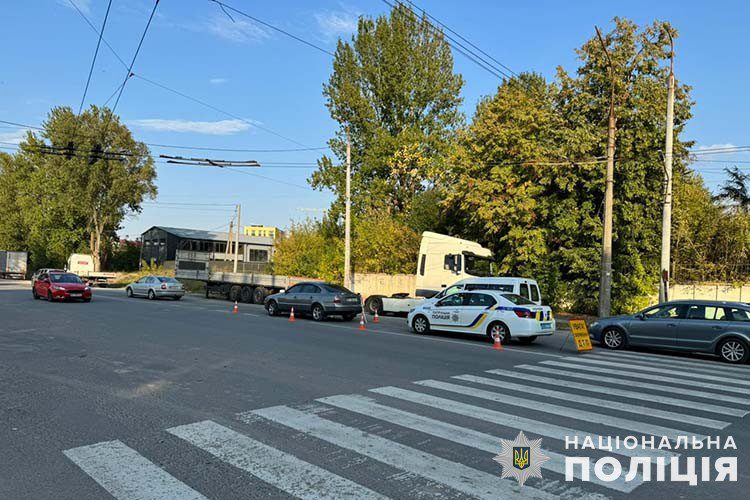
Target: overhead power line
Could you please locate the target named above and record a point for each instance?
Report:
(135, 56)
(186, 96)
(447, 28)
(226, 7)
(96, 52)
(458, 46)
(198, 148)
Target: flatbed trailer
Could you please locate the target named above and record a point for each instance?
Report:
(251, 288)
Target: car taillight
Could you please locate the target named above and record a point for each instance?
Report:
(524, 313)
(337, 300)
(163, 286)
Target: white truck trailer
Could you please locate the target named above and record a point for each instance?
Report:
(241, 287)
(442, 261)
(13, 264)
(83, 265)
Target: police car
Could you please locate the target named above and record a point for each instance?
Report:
(487, 312)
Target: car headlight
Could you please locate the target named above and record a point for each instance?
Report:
(86, 289)
(412, 310)
(593, 324)
(58, 287)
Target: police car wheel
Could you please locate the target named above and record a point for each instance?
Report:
(498, 329)
(613, 338)
(421, 324)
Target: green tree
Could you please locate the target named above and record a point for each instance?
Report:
(394, 90)
(306, 250)
(77, 180)
(529, 180)
(735, 189)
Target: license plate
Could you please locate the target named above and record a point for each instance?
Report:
(352, 300)
(75, 294)
(546, 326)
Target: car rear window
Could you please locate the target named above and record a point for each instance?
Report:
(336, 288)
(517, 299)
(167, 280)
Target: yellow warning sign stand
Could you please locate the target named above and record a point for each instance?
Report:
(580, 332)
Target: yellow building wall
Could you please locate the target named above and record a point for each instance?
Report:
(267, 231)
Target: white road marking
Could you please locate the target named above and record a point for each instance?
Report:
(682, 373)
(647, 376)
(709, 366)
(565, 411)
(603, 403)
(454, 475)
(593, 386)
(527, 425)
(461, 435)
(282, 470)
(27, 330)
(127, 475)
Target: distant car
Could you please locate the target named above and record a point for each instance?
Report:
(716, 327)
(43, 270)
(485, 312)
(155, 287)
(316, 299)
(59, 285)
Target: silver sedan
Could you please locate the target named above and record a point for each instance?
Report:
(155, 287)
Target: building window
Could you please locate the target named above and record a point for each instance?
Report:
(257, 255)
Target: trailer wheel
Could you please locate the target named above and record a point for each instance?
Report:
(235, 292)
(374, 304)
(259, 295)
(247, 294)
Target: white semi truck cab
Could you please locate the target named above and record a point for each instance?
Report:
(442, 261)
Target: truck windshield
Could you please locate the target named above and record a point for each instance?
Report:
(478, 266)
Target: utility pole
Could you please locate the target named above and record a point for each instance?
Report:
(666, 219)
(348, 215)
(605, 280)
(237, 242)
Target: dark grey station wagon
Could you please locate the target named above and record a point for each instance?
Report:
(721, 328)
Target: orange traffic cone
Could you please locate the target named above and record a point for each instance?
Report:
(236, 309)
(361, 321)
(497, 345)
(376, 319)
(291, 315)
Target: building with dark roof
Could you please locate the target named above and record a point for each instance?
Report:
(160, 243)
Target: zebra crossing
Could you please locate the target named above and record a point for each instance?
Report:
(437, 438)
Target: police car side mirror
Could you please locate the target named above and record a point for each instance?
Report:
(640, 316)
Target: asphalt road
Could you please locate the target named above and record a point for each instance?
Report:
(138, 399)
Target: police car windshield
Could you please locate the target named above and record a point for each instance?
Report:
(517, 299)
(477, 266)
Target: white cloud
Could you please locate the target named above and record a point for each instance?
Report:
(217, 81)
(84, 5)
(717, 146)
(221, 127)
(239, 30)
(334, 24)
(14, 137)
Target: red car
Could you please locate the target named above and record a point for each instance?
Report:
(60, 286)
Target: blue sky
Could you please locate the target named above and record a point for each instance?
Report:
(268, 79)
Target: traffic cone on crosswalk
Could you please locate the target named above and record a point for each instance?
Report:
(497, 345)
(236, 309)
(361, 321)
(376, 319)
(291, 315)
